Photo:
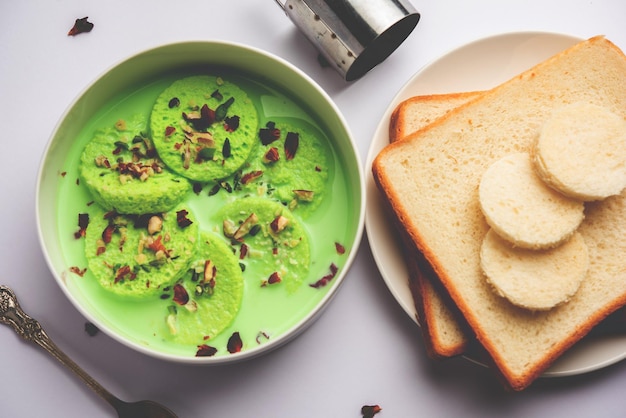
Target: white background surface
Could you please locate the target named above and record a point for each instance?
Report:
(364, 349)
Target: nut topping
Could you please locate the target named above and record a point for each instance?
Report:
(279, 223)
(155, 224)
(246, 226)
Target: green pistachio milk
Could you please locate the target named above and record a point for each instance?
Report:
(266, 311)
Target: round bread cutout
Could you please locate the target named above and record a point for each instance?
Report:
(204, 127)
(534, 279)
(123, 172)
(581, 152)
(522, 209)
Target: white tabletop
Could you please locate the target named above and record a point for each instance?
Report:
(364, 349)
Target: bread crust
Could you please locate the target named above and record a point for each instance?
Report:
(418, 112)
(444, 331)
(440, 166)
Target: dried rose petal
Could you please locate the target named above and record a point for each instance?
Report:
(243, 251)
(181, 218)
(368, 411)
(291, 145)
(231, 123)
(181, 296)
(324, 280)
(269, 134)
(107, 234)
(83, 223)
(78, 271)
(80, 26)
(234, 344)
(200, 121)
(273, 279)
(91, 329)
(271, 156)
(251, 176)
(340, 248)
(157, 245)
(123, 272)
(206, 351)
(333, 269)
(169, 130)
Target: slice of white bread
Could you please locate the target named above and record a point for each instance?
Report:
(581, 151)
(534, 279)
(416, 112)
(430, 179)
(523, 209)
(445, 334)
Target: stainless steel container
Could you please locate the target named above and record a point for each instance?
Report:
(353, 35)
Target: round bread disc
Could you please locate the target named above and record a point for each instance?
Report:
(534, 279)
(129, 257)
(581, 152)
(202, 306)
(272, 243)
(522, 209)
(290, 164)
(122, 171)
(204, 127)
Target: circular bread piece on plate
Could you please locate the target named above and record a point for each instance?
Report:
(207, 297)
(138, 255)
(123, 172)
(534, 279)
(581, 152)
(204, 127)
(522, 209)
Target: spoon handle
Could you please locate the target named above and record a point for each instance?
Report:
(30, 329)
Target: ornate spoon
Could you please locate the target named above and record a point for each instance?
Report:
(31, 330)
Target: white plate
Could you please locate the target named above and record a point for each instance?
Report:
(480, 65)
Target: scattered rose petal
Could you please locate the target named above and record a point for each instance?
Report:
(340, 248)
(251, 176)
(327, 278)
(273, 279)
(291, 145)
(269, 134)
(368, 411)
(80, 26)
(83, 223)
(181, 296)
(206, 351)
(234, 343)
(78, 271)
(91, 329)
(181, 218)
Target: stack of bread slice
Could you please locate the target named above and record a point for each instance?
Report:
(430, 179)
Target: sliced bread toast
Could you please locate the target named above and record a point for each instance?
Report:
(443, 328)
(440, 167)
(416, 112)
